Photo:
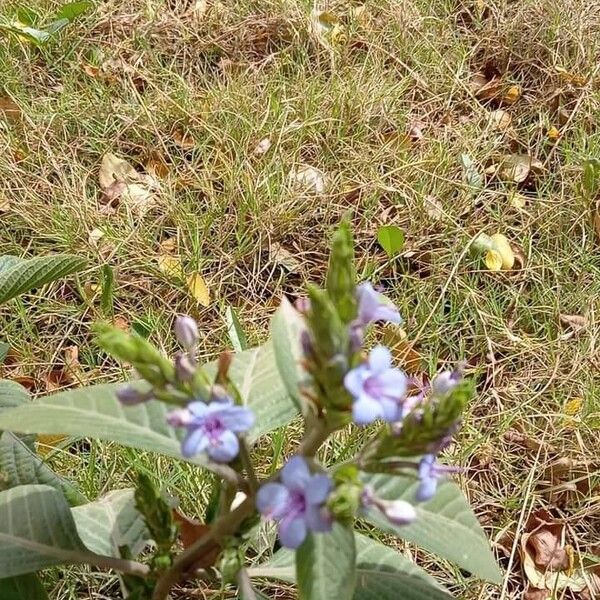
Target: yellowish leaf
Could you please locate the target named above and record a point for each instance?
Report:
(573, 406)
(48, 442)
(493, 260)
(171, 266)
(553, 133)
(114, 169)
(512, 94)
(198, 289)
(501, 245)
(500, 119)
(518, 201)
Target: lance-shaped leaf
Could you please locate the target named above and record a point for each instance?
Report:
(18, 276)
(445, 525)
(37, 531)
(325, 565)
(112, 522)
(381, 573)
(19, 465)
(96, 412)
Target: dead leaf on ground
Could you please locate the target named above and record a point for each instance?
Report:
(532, 593)
(518, 201)
(283, 257)
(183, 139)
(198, 289)
(121, 323)
(553, 133)
(4, 204)
(120, 181)
(516, 168)
(434, 208)
(156, 165)
(309, 179)
(171, 266)
(262, 147)
(402, 349)
(575, 322)
(500, 120)
(415, 131)
(9, 109)
(190, 531)
(494, 89)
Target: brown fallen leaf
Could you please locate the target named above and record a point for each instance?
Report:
(283, 257)
(156, 165)
(403, 351)
(190, 531)
(532, 593)
(575, 322)
(517, 167)
(500, 120)
(183, 139)
(9, 109)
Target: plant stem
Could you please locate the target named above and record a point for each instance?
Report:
(122, 565)
(314, 439)
(222, 527)
(248, 466)
(245, 585)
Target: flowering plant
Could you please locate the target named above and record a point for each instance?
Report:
(316, 363)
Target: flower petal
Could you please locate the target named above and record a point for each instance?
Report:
(354, 380)
(391, 410)
(180, 417)
(318, 518)
(292, 532)
(365, 410)
(426, 489)
(400, 512)
(195, 442)
(235, 418)
(295, 474)
(380, 359)
(197, 409)
(225, 447)
(318, 489)
(272, 500)
(392, 383)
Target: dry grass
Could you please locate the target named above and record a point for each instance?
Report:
(248, 70)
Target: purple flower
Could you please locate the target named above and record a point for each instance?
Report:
(429, 473)
(377, 388)
(297, 503)
(373, 306)
(212, 428)
(444, 382)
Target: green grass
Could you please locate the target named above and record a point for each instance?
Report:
(249, 70)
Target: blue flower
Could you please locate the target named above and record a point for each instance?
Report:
(377, 388)
(297, 503)
(443, 383)
(373, 306)
(430, 473)
(212, 428)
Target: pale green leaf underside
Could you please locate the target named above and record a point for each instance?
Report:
(325, 565)
(20, 466)
(12, 394)
(37, 531)
(382, 573)
(18, 276)
(111, 522)
(445, 525)
(95, 411)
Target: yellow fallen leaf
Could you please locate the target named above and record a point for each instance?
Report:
(493, 260)
(501, 245)
(198, 289)
(170, 266)
(518, 201)
(573, 406)
(553, 133)
(47, 443)
(512, 94)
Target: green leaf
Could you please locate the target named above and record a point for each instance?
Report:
(7, 261)
(325, 565)
(19, 465)
(235, 330)
(591, 177)
(471, 174)
(72, 10)
(12, 394)
(37, 531)
(32, 273)
(23, 587)
(445, 525)
(382, 573)
(110, 523)
(391, 239)
(56, 26)
(286, 330)
(95, 411)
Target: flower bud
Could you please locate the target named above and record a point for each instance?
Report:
(129, 396)
(186, 332)
(398, 512)
(444, 382)
(302, 305)
(185, 367)
(219, 394)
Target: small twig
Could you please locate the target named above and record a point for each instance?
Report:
(222, 527)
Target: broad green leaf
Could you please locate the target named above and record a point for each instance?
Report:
(235, 330)
(7, 261)
(391, 239)
(12, 394)
(22, 31)
(56, 26)
(35, 272)
(325, 565)
(95, 411)
(382, 573)
(37, 531)
(23, 587)
(286, 330)
(72, 10)
(111, 522)
(445, 525)
(19, 465)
